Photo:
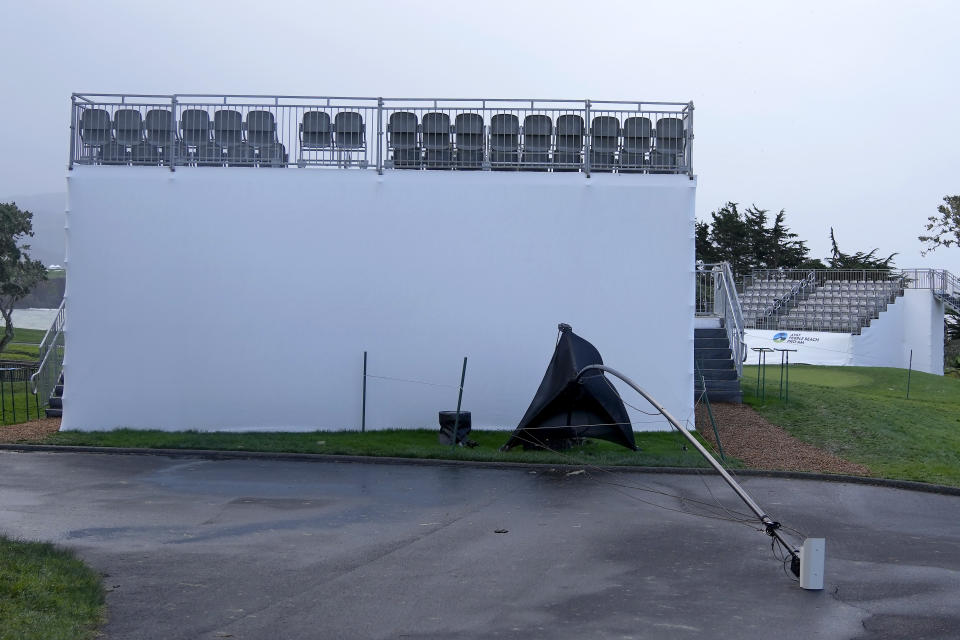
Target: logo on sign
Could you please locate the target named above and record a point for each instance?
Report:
(780, 337)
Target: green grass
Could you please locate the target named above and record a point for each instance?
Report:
(17, 403)
(660, 449)
(24, 345)
(46, 593)
(862, 414)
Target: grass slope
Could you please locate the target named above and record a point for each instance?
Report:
(46, 593)
(862, 414)
(660, 449)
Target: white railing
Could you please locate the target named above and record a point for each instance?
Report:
(50, 353)
(381, 133)
(716, 297)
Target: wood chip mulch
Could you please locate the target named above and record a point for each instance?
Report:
(747, 435)
(33, 431)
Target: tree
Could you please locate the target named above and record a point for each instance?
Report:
(18, 273)
(746, 240)
(945, 227)
(858, 260)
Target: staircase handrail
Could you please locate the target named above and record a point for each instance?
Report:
(791, 296)
(734, 319)
(50, 353)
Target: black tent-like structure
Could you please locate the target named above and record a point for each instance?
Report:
(567, 407)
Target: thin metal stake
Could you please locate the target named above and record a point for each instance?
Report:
(456, 418)
(363, 410)
(909, 371)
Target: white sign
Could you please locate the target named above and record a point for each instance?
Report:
(812, 347)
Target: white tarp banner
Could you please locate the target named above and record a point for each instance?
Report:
(812, 347)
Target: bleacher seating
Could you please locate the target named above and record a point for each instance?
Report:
(820, 305)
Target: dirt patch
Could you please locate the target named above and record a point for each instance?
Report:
(29, 431)
(747, 435)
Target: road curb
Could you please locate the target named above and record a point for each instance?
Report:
(214, 454)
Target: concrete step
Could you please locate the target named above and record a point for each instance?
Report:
(56, 403)
(710, 333)
(711, 343)
(714, 364)
(718, 374)
(711, 354)
(58, 390)
(722, 385)
(54, 413)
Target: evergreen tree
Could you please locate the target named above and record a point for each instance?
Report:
(858, 260)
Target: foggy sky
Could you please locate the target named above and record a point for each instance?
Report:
(843, 113)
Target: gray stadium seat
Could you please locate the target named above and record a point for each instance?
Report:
(209, 154)
(537, 130)
(637, 135)
(668, 145)
(96, 130)
(604, 142)
(468, 128)
(160, 131)
(113, 153)
(504, 141)
(569, 145)
(402, 139)
(227, 127)
(315, 131)
(261, 128)
(272, 155)
(128, 127)
(349, 130)
(195, 127)
(240, 155)
(437, 145)
(146, 153)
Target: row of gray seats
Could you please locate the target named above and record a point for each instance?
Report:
(127, 136)
(468, 143)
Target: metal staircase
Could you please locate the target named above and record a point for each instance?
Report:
(47, 382)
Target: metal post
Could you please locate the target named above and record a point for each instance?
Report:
(772, 528)
(456, 418)
(690, 143)
(73, 130)
(363, 410)
(909, 371)
(780, 392)
(380, 136)
(588, 141)
(173, 147)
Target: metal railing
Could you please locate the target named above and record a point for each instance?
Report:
(716, 297)
(50, 353)
(770, 317)
(381, 133)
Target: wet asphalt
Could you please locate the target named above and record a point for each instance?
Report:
(249, 549)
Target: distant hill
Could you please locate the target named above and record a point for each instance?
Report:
(49, 240)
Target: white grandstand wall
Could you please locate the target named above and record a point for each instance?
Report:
(243, 299)
(914, 321)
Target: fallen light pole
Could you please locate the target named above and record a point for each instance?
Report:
(806, 562)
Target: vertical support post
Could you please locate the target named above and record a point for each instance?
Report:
(380, 136)
(363, 407)
(173, 147)
(689, 136)
(780, 392)
(758, 373)
(909, 371)
(587, 140)
(73, 130)
(456, 418)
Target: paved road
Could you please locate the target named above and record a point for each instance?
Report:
(268, 549)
